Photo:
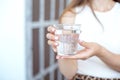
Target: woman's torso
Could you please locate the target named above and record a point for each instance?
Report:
(108, 37)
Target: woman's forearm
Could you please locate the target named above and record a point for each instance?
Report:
(67, 67)
(112, 60)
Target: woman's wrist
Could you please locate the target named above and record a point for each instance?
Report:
(103, 52)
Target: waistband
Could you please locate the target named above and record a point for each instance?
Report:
(87, 77)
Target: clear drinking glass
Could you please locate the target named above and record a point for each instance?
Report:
(68, 38)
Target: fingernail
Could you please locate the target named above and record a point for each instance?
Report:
(53, 29)
(56, 38)
(55, 50)
(56, 44)
(57, 57)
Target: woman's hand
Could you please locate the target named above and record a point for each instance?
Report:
(51, 37)
(90, 49)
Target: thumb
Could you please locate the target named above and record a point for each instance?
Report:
(84, 44)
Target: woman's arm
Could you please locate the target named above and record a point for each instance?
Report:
(111, 59)
(67, 67)
(94, 49)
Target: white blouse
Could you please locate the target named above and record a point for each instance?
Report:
(109, 37)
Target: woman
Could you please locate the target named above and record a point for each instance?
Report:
(100, 57)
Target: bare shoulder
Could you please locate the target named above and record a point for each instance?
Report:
(69, 13)
(68, 17)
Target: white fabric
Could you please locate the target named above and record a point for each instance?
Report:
(109, 37)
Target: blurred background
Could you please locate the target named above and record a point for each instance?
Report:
(24, 52)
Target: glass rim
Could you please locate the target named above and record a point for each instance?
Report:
(68, 24)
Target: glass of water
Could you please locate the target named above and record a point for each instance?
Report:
(68, 38)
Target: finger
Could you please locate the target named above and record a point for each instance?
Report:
(80, 55)
(83, 54)
(84, 44)
(51, 36)
(51, 29)
(58, 57)
(75, 57)
(70, 57)
(54, 48)
(52, 43)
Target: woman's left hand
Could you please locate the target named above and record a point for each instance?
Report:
(90, 49)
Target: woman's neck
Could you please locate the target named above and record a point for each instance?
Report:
(102, 5)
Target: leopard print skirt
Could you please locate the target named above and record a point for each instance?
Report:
(86, 77)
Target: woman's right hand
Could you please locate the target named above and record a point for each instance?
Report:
(52, 38)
